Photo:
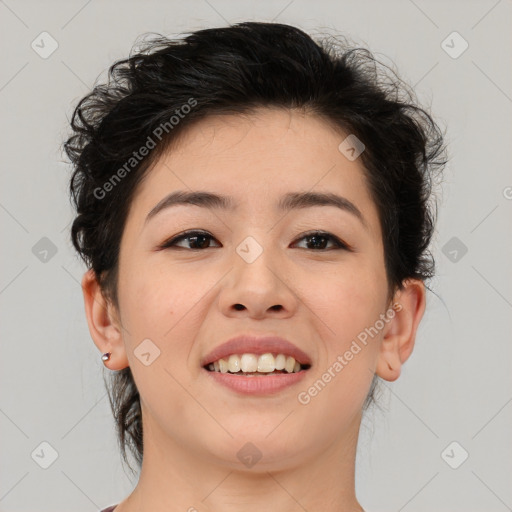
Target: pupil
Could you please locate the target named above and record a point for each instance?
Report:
(199, 237)
(315, 238)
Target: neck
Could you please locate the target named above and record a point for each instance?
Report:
(174, 478)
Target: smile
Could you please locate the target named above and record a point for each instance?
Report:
(254, 365)
(250, 374)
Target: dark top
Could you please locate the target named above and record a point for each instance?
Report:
(109, 509)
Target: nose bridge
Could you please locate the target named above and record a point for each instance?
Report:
(254, 239)
(255, 283)
(256, 261)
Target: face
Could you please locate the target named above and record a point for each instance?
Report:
(189, 296)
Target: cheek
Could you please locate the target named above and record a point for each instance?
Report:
(349, 307)
(159, 308)
(349, 304)
(155, 300)
(350, 301)
(167, 307)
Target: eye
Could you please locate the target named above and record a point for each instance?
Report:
(319, 238)
(200, 239)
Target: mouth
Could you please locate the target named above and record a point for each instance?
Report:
(254, 365)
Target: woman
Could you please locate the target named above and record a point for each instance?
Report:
(254, 209)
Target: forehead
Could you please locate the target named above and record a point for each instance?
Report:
(256, 159)
(263, 137)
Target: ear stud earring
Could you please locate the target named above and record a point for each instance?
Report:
(106, 356)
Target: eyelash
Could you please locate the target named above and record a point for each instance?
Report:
(339, 244)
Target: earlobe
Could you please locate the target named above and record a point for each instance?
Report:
(398, 341)
(103, 323)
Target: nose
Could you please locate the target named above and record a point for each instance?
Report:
(257, 289)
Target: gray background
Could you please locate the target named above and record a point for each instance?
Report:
(457, 384)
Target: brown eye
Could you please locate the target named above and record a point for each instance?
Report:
(196, 240)
(319, 240)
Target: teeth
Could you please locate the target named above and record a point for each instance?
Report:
(290, 364)
(234, 363)
(251, 363)
(280, 362)
(266, 363)
(223, 366)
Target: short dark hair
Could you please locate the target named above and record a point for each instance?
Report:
(237, 70)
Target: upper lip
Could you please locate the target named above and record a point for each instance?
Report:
(253, 344)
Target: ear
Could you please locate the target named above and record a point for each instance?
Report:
(104, 324)
(398, 341)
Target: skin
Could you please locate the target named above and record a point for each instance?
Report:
(184, 301)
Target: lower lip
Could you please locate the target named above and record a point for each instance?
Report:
(257, 385)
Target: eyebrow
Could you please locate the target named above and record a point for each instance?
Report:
(290, 201)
